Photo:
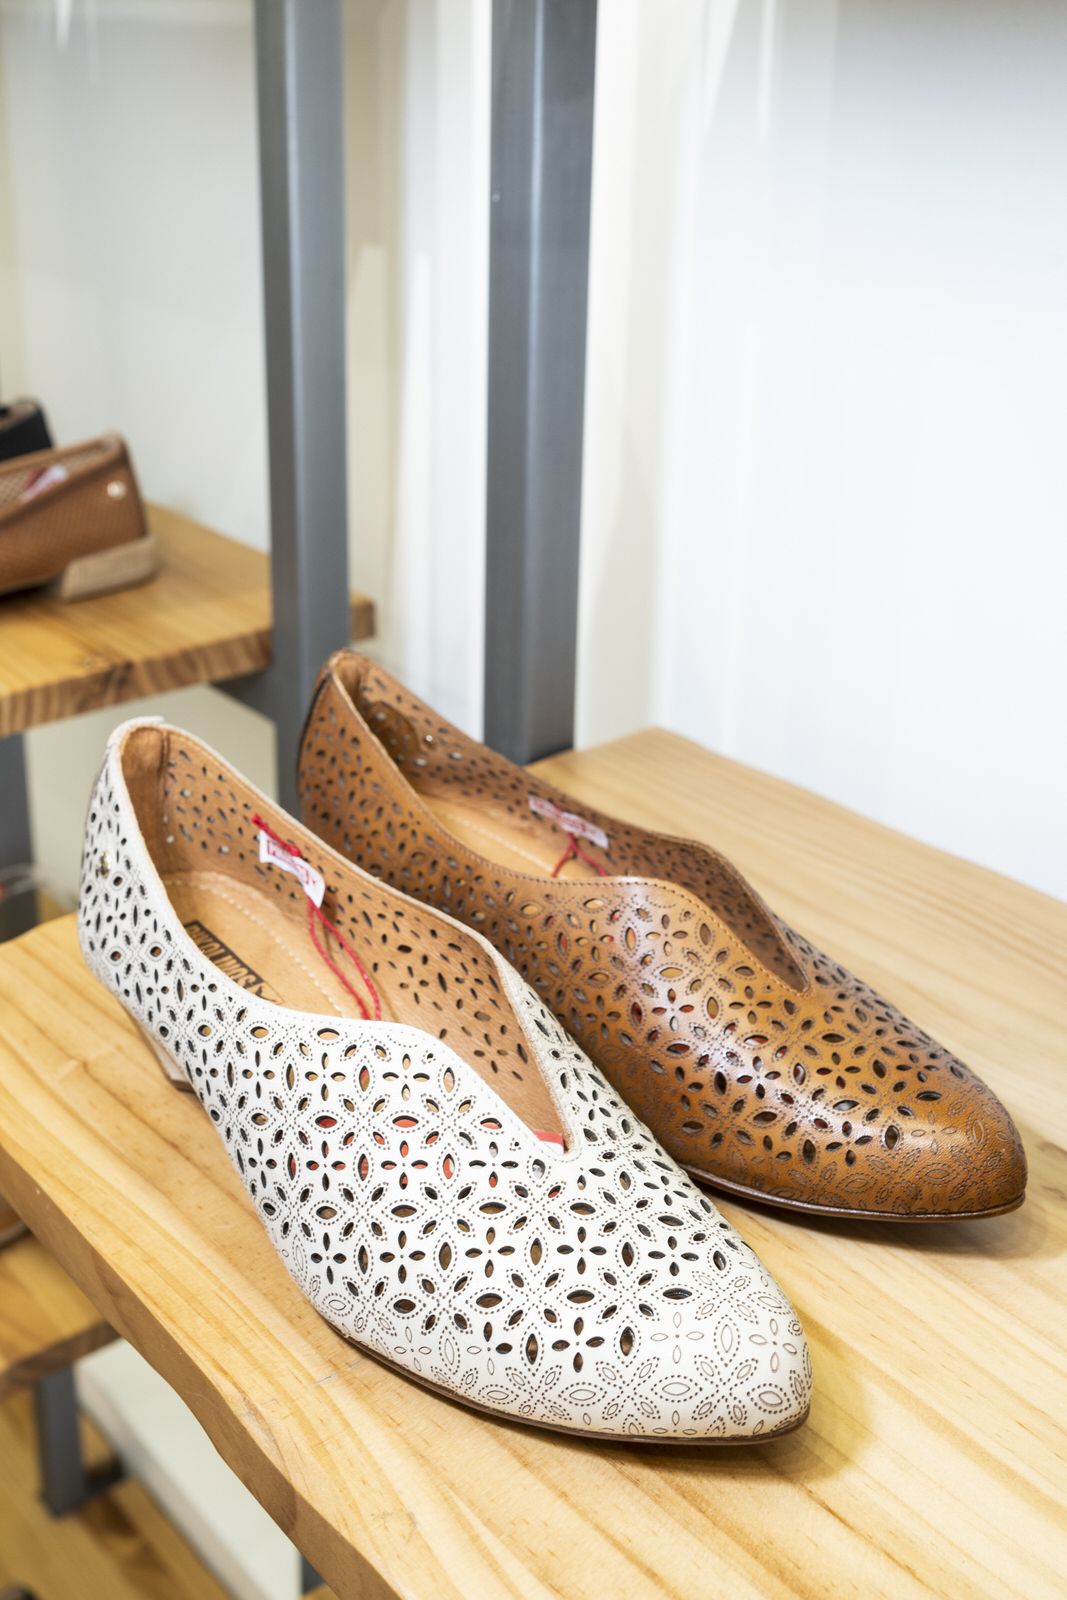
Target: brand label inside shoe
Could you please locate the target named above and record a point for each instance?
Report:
(221, 956)
(275, 855)
(568, 821)
(47, 478)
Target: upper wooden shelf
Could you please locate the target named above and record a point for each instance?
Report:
(205, 618)
(933, 1461)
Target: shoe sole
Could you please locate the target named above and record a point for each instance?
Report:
(179, 1081)
(121, 567)
(556, 1427)
(737, 1191)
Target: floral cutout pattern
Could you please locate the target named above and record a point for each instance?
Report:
(594, 1289)
(758, 1062)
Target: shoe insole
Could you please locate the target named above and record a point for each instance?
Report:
(249, 936)
(498, 840)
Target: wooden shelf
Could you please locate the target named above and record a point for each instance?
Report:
(45, 1320)
(205, 618)
(933, 1459)
(118, 1547)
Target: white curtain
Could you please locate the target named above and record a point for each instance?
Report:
(825, 487)
(418, 235)
(825, 490)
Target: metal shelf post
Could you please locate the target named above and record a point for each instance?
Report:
(544, 58)
(300, 90)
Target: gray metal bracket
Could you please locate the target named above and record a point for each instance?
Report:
(65, 1482)
(16, 844)
(300, 94)
(544, 59)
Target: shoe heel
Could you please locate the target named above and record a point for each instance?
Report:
(118, 568)
(172, 1072)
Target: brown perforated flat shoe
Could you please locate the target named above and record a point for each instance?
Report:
(761, 1065)
(73, 519)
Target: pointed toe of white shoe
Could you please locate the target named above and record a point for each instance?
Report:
(576, 1279)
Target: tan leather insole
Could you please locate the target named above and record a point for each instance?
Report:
(498, 840)
(478, 796)
(265, 943)
(518, 848)
(251, 939)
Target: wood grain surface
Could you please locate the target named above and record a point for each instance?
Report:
(205, 618)
(46, 1322)
(118, 1547)
(934, 1459)
(11, 1224)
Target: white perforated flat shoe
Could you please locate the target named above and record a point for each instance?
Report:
(439, 1167)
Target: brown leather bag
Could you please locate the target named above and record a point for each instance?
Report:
(73, 518)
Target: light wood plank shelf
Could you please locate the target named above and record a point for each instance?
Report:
(118, 1547)
(11, 1224)
(46, 1322)
(205, 618)
(933, 1463)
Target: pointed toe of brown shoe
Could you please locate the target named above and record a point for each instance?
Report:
(901, 1127)
(855, 1112)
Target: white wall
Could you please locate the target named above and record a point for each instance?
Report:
(823, 496)
(129, 240)
(825, 488)
(418, 240)
(130, 299)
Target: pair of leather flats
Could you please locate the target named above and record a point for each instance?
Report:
(761, 1065)
(73, 519)
(446, 1176)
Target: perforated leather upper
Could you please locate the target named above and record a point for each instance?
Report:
(755, 1059)
(593, 1289)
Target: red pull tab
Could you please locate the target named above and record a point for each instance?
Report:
(315, 912)
(572, 851)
